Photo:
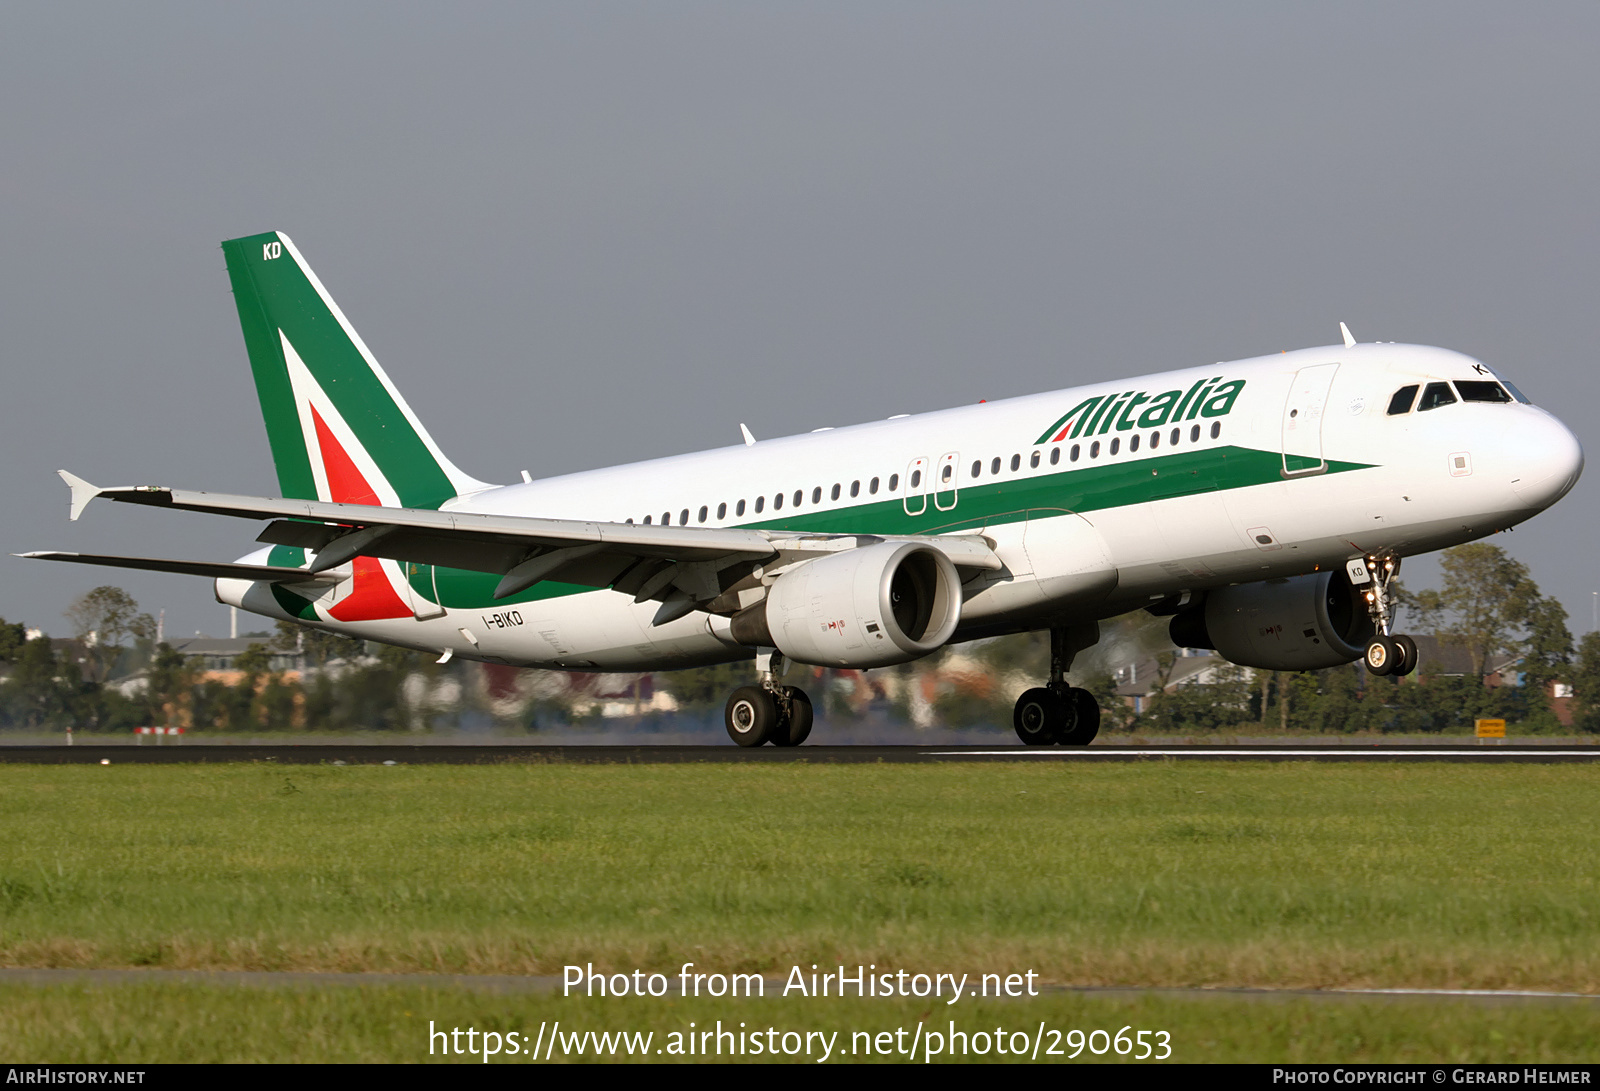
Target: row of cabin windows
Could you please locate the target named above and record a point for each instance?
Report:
(1437, 394)
(915, 481)
(777, 501)
(1076, 452)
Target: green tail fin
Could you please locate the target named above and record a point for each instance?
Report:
(338, 428)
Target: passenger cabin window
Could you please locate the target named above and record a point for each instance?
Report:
(1094, 449)
(738, 509)
(916, 479)
(1033, 461)
(761, 502)
(1133, 443)
(994, 467)
(683, 519)
(1401, 402)
(1116, 445)
(1016, 461)
(1435, 395)
(722, 512)
(872, 487)
(1194, 434)
(834, 495)
(1216, 429)
(666, 518)
(855, 488)
(1055, 455)
(816, 494)
(1177, 433)
(1073, 457)
(799, 494)
(777, 502)
(894, 482)
(1155, 440)
(646, 520)
(1477, 390)
(977, 468)
(703, 514)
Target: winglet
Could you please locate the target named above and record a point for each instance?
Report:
(82, 493)
(749, 440)
(1349, 339)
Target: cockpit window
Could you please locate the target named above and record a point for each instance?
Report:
(1480, 390)
(1515, 393)
(1401, 402)
(1434, 396)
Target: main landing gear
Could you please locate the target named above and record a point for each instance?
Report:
(768, 712)
(1386, 653)
(1056, 713)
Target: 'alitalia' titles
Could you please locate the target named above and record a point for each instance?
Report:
(1136, 409)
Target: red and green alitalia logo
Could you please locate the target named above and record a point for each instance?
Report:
(1138, 409)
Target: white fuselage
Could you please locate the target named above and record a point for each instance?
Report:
(1305, 469)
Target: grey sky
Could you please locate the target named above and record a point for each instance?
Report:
(584, 234)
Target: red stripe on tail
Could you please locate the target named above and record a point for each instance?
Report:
(372, 596)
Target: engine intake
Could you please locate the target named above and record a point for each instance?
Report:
(882, 604)
(1299, 624)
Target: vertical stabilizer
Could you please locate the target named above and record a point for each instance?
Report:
(338, 428)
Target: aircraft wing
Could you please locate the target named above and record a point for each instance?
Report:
(214, 570)
(686, 564)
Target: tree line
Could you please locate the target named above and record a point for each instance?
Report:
(1488, 605)
(65, 685)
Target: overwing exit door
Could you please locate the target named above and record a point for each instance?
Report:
(945, 492)
(916, 494)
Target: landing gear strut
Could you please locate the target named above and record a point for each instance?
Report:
(1386, 653)
(1056, 713)
(768, 712)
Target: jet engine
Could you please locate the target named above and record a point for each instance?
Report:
(887, 603)
(1299, 624)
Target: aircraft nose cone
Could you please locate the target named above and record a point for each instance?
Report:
(1551, 462)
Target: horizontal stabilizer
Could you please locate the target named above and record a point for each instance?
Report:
(213, 570)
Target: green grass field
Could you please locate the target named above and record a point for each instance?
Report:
(1276, 875)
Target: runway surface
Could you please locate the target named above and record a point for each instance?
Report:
(772, 987)
(333, 753)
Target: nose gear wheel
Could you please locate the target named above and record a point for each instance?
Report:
(1387, 653)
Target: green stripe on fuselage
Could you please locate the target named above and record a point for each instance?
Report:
(986, 503)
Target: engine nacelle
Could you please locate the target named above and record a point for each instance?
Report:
(870, 607)
(1299, 624)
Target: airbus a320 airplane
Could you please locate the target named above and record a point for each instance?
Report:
(1264, 504)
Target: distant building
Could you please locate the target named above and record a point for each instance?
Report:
(218, 654)
(1138, 682)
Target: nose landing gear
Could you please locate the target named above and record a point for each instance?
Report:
(1373, 576)
(1056, 713)
(768, 712)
